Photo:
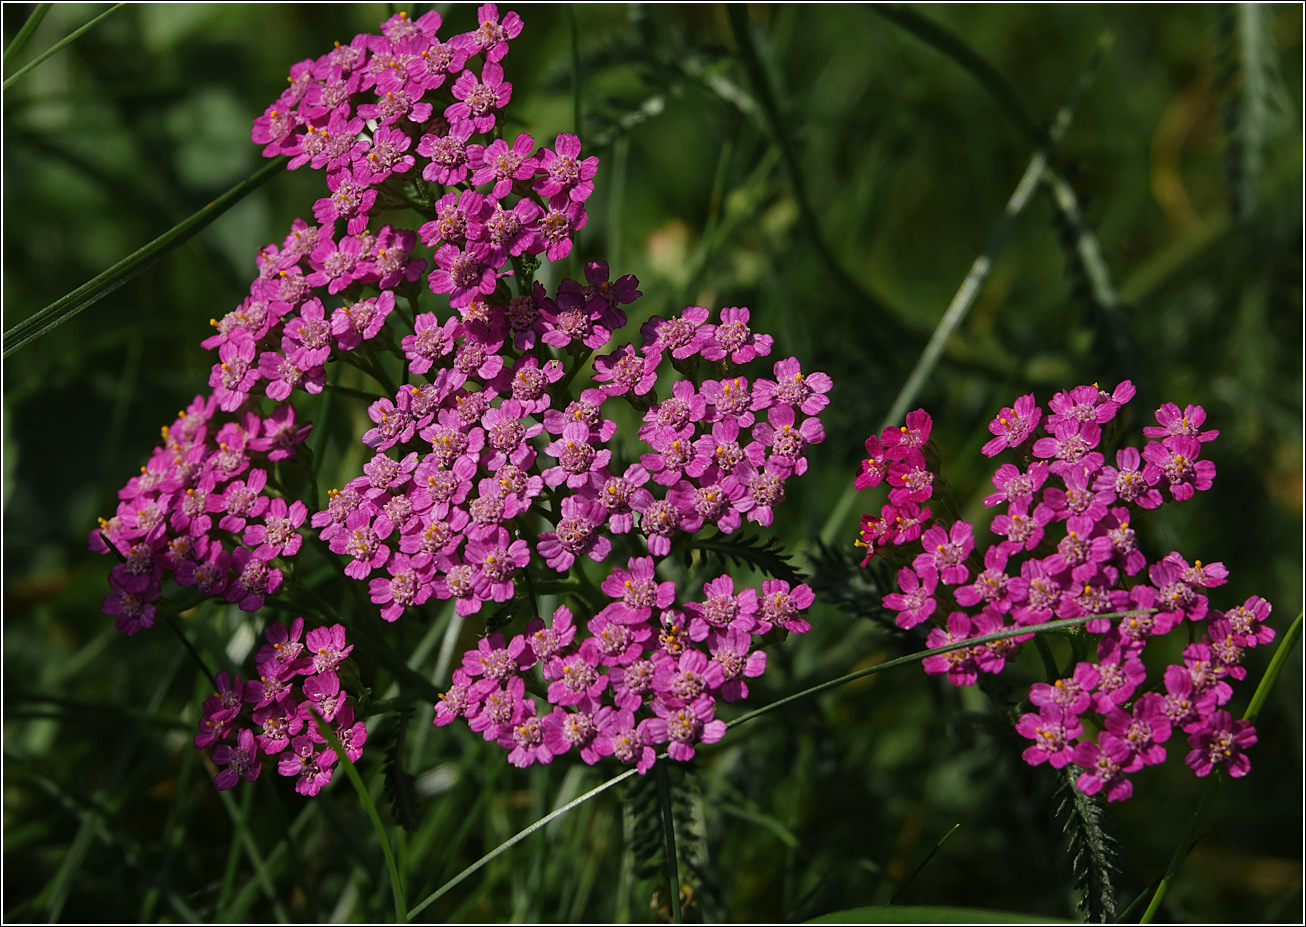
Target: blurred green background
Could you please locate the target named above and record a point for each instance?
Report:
(846, 212)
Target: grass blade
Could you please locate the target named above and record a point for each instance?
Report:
(57, 46)
(25, 33)
(64, 308)
(516, 839)
(920, 655)
(888, 328)
(1286, 646)
(365, 798)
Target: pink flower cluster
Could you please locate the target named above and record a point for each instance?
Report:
(1068, 517)
(650, 673)
(486, 460)
(195, 496)
(249, 723)
(388, 108)
(488, 437)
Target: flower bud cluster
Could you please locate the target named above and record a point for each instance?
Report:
(250, 723)
(1068, 518)
(650, 673)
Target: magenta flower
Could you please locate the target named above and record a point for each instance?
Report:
(690, 724)
(916, 601)
(634, 744)
(946, 552)
(1176, 460)
(638, 592)
(278, 536)
(1145, 729)
(1013, 426)
(682, 335)
(625, 371)
(564, 172)
(497, 559)
(1073, 695)
(492, 36)
(462, 274)
(326, 648)
(576, 535)
(463, 700)
(778, 606)
(1128, 483)
(1105, 764)
(1221, 741)
(1054, 733)
(557, 227)
(576, 457)
(477, 99)
(235, 376)
(579, 729)
(575, 678)
(448, 154)
(241, 761)
(732, 338)
(429, 69)
(502, 164)
(361, 321)
(1173, 422)
(253, 580)
(546, 643)
(311, 768)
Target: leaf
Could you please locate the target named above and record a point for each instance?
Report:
(399, 783)
(749, 550)
(839, 580)
(1092, 852)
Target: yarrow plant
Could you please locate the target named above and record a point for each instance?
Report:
(1066, 547)
(494, 472)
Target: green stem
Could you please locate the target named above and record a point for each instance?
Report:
(669, 836)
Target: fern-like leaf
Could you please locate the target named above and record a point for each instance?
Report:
(399, 784)
(839, 580)
(747, 550)
(645, 844)
(1092, 852)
